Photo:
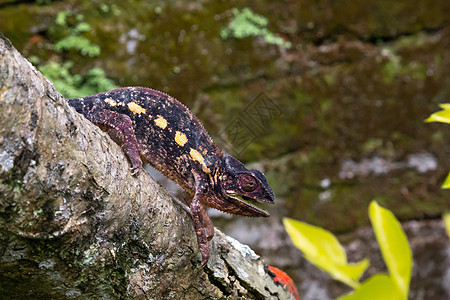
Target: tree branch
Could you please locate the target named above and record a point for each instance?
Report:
(74, 222)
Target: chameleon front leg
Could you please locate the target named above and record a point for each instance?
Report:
(207, 223)
(120, 128)
(200, 219)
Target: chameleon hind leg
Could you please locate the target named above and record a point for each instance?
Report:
(120, 128)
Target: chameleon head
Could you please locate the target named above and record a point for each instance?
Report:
(245, 190)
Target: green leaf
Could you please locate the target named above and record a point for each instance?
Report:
(322, 249)
(446, 184)
(83, 27)
(442, 116)
(61, 17)
(393, 244)
(72, 86)
(446, 218)
(77, 42)
(377, 287)
(247, 23)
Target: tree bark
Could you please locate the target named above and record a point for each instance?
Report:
(74, 222)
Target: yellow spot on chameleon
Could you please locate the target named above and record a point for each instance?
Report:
(180, 138)
(198, 157)
(136, 108)
(110, 101)
(205, 169)
(161, 122)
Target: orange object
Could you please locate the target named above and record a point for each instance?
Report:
(35, 39)
(283, 278)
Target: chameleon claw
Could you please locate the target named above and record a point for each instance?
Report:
(136, 169)
(136, 163)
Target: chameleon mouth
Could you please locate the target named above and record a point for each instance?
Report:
(254, 204)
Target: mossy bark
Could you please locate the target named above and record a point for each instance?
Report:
(74, 222)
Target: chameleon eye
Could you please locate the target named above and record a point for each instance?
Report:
(247, 182)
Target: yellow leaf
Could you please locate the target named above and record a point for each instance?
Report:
(446, 218)
(393, 244)
(322, 249)
(445, 105)
(441, 116)
(446, 184)
(377, 287)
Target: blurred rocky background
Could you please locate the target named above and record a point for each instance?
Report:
(328, 98)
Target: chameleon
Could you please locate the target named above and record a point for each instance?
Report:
(155, 128)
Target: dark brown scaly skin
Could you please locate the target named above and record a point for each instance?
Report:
(154, 127)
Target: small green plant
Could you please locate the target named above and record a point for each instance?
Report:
(247, 23)
(72, 86)
(442, 116)
(322, 249)
(74, 39)
(68, 84)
